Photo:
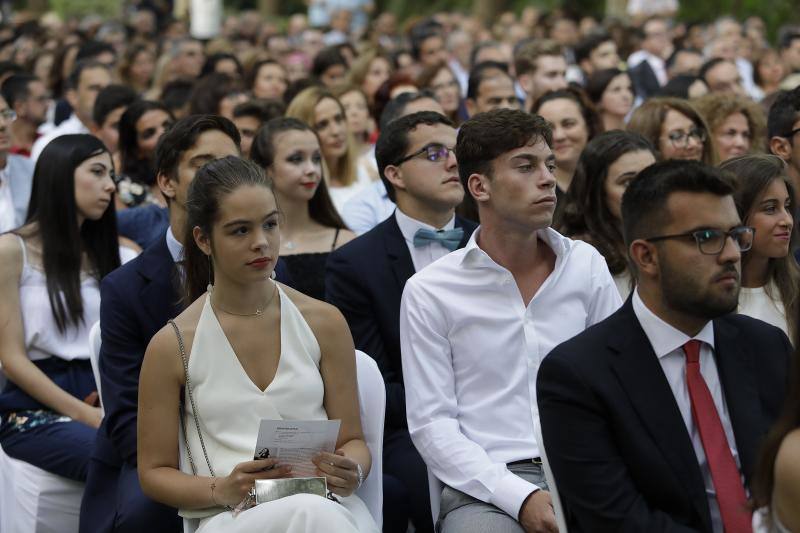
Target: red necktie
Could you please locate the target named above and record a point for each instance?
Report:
(732, 500)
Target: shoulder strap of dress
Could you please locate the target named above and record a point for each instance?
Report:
(335, 238)
(194, 407)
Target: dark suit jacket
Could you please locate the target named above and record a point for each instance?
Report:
(645, 82)
(620, 453)
(365, 280)
(136, 300)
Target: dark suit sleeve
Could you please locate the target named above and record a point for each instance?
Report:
(344, 290)
(121, 355)
(592, 478)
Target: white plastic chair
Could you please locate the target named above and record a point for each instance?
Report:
(551, 480)
(372, 398)
(32, 499)
(94, 358)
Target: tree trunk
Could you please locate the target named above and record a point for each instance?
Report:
(486, 10)
(268, 8)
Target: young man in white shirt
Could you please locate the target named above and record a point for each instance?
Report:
(475, 325)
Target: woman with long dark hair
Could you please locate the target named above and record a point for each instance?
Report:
(770, 276)
(592, 210)
(50, 282)
(250, 349)
(140, 127)
(289, 151)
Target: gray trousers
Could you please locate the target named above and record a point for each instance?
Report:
(461, 513)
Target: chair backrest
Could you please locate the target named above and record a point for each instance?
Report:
(551, 480)
(372, 397)
(94, 357)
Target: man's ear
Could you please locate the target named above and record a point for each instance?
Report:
(166, 185)
(479, 186)
(395, 177)
(781, 147)
(645, 256)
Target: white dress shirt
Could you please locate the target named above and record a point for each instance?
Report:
(471, 350)
(175, 248)
(72, 125)
(8, 215)
(367, 209)
(667, 343)
(424, 255)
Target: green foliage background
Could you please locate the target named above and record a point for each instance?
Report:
(774, 12)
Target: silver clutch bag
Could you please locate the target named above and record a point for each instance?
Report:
(268, 490)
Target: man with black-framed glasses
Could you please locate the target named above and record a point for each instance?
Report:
(365, 280)
(669, 397)
(783, 127)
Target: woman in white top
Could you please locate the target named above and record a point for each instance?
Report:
(256, 350)
(326, 115)
(770, 276)
(49, 281)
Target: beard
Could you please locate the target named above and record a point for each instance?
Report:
(687, 294)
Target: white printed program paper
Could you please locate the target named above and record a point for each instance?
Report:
(294, 442)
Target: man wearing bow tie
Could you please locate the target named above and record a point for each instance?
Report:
(365, 280)
(475, 325)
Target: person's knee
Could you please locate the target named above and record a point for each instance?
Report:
(138, 513)
(479, 518)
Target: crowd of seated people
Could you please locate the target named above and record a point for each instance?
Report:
(567, 244)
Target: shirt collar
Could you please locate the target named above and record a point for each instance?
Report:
(175, 248)
(475, 256)
(663, 337)
(409, 226)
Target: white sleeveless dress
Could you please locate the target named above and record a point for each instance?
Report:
(230, 409)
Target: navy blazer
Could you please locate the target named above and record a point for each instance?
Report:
(365, 280)
(617, 443)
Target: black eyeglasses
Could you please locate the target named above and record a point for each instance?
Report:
(680, 139)
(434, 152)
(712, 241)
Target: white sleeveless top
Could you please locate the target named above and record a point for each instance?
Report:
(41, 334)
(756, 303)
(231, 406)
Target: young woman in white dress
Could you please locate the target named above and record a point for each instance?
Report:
(770, 275)
(256, 350)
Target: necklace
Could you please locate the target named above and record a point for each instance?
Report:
(259, 310)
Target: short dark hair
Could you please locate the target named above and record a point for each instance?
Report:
(209, 92)
(787, 39)
(486, 136)
(210, 64)
(91, 49)
(110, 98)
(710, 64)
(594, 124)
(421, 32)
(783, 113)
(176, 93)
(15, 88)
(645, 200)
(183, 135)
(482, 72)
(74, 78)
(585, 47)
(396, 107)
(393, 141)
(261, 110)
(325, 59)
